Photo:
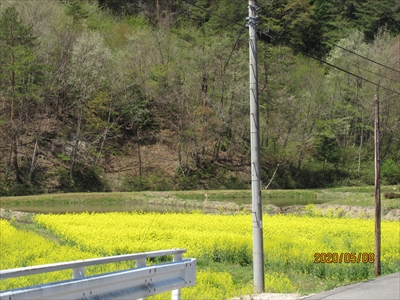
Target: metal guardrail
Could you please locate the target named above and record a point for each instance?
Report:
(136, 283)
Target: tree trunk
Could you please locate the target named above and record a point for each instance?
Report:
(139, 153)
(33, 163)
(104, 135)
(8, 164)
(35, 150)
(77, 141)
(13, 129)
(158, 12)
(15, 159)
(359, 148)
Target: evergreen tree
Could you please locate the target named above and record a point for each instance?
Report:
(17, 78)
(226, 11)
(77, 12)
(373, 15)
(290, 18)
(335, 19)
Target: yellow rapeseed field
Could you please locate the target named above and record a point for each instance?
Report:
(292, 244)
(290, 241)
(22, 249)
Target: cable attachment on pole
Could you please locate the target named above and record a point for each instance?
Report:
(254, 8)
(252, 21)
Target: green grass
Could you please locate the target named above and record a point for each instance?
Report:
(240, 274)
(351, 196)
(32, 227)
(361, 189)
(217, 195)
(359, 196)
(79, 197)
(305, 284)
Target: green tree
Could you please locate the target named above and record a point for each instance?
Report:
(76, 10)
(290, 18)
(226, 11)
(373, 15)
(19, 76)
(350, 100)
(335, 19)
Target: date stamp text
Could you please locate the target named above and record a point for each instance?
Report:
(347, 257)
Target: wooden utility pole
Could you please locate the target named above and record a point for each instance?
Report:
(256, 185)
(377, 189)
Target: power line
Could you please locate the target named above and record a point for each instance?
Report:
(234, 46)
(313, 57)
(226, 64)
(336, 45)
(347, 50)
(359, 55)
(374, 73)
(333, 44)
(383, 76)
(242, 26)
(348, 72)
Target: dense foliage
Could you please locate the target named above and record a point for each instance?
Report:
(133, 95)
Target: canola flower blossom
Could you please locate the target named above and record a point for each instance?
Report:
(290, 243)
(23, 249)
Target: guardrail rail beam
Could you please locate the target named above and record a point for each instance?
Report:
(136, 283)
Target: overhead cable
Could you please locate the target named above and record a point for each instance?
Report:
(359, 55)
(347, 50)
(234, 46)
(348, 72)
(313, 57)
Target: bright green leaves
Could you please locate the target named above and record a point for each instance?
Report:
(390, 171)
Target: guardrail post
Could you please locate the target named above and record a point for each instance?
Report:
(78, 273)
(141, 263)
(176, 294)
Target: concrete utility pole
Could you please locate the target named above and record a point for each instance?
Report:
(256, 185)
(377, 189)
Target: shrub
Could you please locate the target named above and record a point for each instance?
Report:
(390, 172)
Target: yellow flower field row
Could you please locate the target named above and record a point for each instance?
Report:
(23, 248)
(290, 242)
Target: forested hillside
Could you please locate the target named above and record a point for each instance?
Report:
(115, 95)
